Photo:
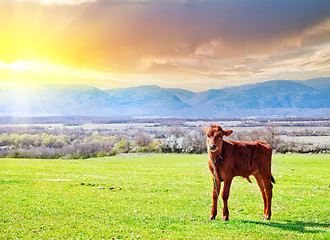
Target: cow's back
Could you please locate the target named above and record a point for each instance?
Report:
(247, 158)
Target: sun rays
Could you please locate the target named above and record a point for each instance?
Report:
(41, 72)
(194, 45)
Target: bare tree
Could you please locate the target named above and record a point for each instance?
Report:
(177, 131)
(272, 136)
(195, 142)
(257, 134)
(142, 140)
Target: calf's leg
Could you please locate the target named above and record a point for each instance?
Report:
(225, 196)
(268, 186)
(262, 190)
(216, 190)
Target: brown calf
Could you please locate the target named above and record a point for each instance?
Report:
(228, 159)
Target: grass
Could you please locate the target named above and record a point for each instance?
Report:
(157, 197)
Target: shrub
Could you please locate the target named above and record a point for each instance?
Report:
(142, 140)
(195, 142)
(123, 146)
(38, 142)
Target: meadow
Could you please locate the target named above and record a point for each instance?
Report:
(158, 196)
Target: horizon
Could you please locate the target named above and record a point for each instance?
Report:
(194, 45)
(151, 85)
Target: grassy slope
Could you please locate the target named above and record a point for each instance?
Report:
(157, 196)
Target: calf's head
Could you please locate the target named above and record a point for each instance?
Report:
(215, 135)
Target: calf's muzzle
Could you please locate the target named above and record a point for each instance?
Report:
(212, 147)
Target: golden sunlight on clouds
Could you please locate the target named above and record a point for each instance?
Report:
(20, 65)
(194, 45)
(42, 72)
(57, 2)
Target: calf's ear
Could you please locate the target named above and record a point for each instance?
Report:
(205, 129)
(227, 132)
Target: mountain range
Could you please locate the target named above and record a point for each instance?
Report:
(280, 98)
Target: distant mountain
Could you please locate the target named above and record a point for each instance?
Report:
(54, 100)
(272, 98)
(261, 96)
(317, 83)
(182, 94)
(148, 100)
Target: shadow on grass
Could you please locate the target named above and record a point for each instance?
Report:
(298, 226)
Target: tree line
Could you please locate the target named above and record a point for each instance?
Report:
(79, 143)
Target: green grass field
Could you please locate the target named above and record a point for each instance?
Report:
(158, 197)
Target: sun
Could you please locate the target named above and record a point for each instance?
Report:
(29, 66)
(31, 72)
(34, 72)
(26, 66)
(19, 66)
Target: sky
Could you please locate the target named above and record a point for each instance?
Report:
(191, 44)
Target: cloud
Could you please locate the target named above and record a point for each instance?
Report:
(178, 37)
(71, 2)
(57, 2)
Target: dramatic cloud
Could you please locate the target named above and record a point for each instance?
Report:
(57, 2)
(212, 41)
(71, 2)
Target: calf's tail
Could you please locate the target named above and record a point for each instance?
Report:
(272, 179)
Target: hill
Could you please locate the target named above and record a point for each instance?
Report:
(272, 98)
(150, 100)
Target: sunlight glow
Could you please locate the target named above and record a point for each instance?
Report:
(58, 2)
(19, 66)
(29, 73)
(117, 43)
(29, 66)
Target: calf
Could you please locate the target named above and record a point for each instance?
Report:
(228, 159)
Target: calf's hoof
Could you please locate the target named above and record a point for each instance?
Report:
(213, 214)
(266, 217)
(225, 218)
